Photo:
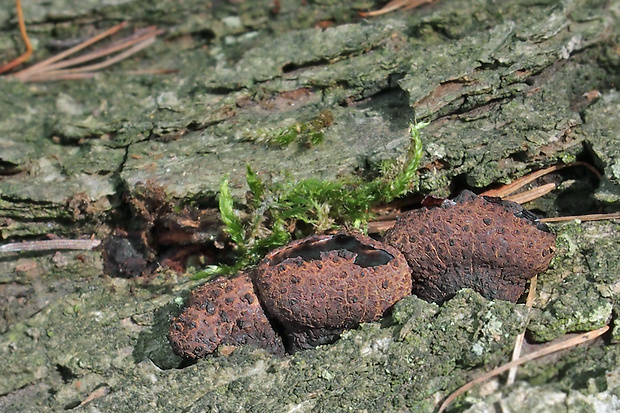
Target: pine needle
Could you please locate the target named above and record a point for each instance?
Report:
(39, 67)
(385, 224)
(514, 186)
(22, 30)
(395, 5)
(553, 348)
(588, 217)
(532, 194)
(516, 352)
(507, 192)
(61, 67)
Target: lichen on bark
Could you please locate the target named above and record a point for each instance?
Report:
(502, 86)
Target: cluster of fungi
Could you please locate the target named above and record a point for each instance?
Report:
(311, 290)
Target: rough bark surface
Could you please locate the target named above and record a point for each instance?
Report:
(505, 86)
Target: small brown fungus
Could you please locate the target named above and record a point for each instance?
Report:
(219, 313)
(483, 243)
(321, 285)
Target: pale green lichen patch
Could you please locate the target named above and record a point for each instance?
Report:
(176, 123)
(502, 86)
(87, 332)
(581, 289)
(585, 379)
(109, 343)
(298, 49)
(600, 118)
(569, 312)
(543, 399)
(371, 367)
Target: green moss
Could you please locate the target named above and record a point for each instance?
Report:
(308, 205)
(232, 223)
(307, 134)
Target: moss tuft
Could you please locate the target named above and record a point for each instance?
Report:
(279, 209)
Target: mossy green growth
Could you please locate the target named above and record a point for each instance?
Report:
(307, 134)
(232, 224)
(274, 210)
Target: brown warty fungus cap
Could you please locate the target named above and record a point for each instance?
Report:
(222, 312)
(483, 243)
(321, 285)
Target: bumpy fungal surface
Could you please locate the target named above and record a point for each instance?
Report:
(316, 287)
(222, 312)
(321, 285)
(483, 243)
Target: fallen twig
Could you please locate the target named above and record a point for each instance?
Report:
(563, 345)
(53, 244)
